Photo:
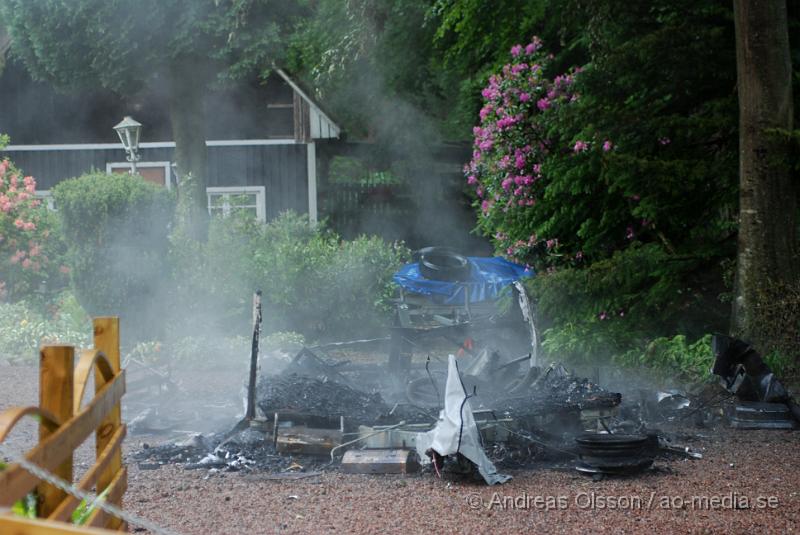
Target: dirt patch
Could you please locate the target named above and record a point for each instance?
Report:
(743, 465)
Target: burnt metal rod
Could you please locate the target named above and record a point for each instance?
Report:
(513, 362)
(251, 387)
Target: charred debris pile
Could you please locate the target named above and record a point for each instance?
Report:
(463, 390)
(474, 414)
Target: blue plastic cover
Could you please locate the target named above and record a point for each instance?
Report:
(489, 277)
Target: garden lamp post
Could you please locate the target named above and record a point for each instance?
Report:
(128, 131)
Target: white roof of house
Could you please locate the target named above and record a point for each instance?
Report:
(320, 125)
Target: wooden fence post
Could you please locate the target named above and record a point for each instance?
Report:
(56, 392)
(106, 339)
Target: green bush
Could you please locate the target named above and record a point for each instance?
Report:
(116, 227)
(640, 308)
(319, 285)
(313, 282)
(673, 358)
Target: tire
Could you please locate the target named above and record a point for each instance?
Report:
(443, 264)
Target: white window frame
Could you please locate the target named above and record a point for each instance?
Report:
(166, 166)
(46, 196)
(260, 192)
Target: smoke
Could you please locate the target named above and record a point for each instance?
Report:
(205, 322)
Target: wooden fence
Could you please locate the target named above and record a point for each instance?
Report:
(65, 423)
(354, 209)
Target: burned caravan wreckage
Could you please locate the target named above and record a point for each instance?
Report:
(463, 391)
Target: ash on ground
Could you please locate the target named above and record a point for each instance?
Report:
(248, 450)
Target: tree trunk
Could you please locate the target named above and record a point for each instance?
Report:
(187, 86)
(768, 196)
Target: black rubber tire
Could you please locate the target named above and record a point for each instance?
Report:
(443, 264)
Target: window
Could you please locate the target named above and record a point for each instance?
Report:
(155, 172)
(47, 199)
(249, 199)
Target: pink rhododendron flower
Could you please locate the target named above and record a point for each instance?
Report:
(580, 146)
(542, 104)
(516, 50)
(665, 141)
(524, 97)
(607, 146)
(19, 223)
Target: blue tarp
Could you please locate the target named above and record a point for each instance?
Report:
(488, 278)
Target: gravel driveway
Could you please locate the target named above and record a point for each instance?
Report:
(747, 482)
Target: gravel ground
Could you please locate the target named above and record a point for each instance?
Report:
(753, 466)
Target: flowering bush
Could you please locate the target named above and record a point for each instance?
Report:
(512, 146)
(614, 187)
(29, 253)
(569, 168)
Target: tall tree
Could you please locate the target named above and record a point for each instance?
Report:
(182, 45)
(767, 260)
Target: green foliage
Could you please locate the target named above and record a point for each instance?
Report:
(84, 510)
(673, 358)
(120, 45)
(370, 60)
(25, 507)
(116, 227)
(611, 310)
(23, 328)
(316, 284)
(345, 170)
(473, 38)
(313, 283)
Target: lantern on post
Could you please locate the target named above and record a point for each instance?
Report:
(128, 131)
